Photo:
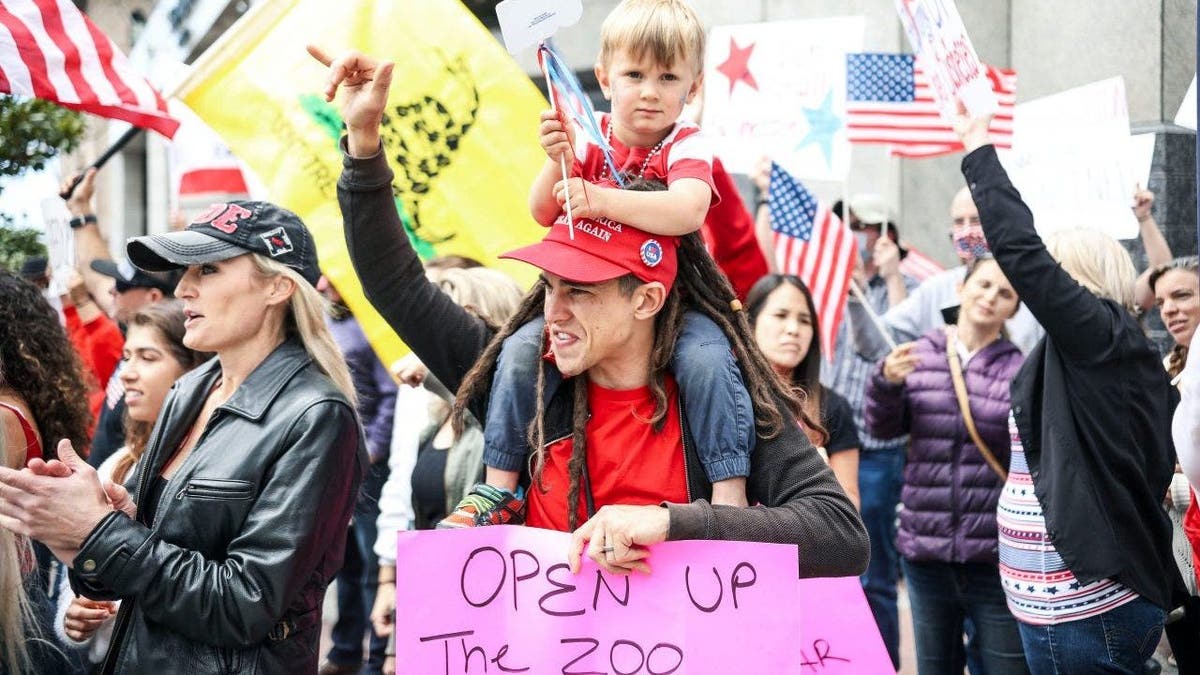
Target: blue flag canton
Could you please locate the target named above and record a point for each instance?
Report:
(793, 208)
(879, 78)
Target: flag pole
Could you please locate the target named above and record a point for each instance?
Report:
(875, 319)
(113, 149)
(562, 159)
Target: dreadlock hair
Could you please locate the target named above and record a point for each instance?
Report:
(699, 286)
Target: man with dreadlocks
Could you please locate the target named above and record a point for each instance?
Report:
(611, 448)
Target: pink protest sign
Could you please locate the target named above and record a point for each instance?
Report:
(944, 51)
(501, 599)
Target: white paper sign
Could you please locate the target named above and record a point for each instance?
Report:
(525, 23)
(1074, 161)
(778, 90)
(1186, 117)
(938, 38)
(60, 244)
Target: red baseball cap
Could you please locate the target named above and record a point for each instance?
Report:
(602, 250)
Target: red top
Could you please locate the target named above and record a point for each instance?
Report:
(684, 153)
(728, 233)
(629, 463)
(99, 344)
(33, 447)
(1191, 527)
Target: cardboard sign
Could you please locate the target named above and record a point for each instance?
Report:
(525, 23)
(778, 90)
(502, 599)
(1074, 162)
(938, 38)
(60, 242)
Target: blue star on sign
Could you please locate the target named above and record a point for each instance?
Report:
(822, 125)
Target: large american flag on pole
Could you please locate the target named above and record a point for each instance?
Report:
(50, 50)
(813, 244)
(889, 100)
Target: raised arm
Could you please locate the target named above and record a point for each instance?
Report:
(446, 338)
(1080, 323)
(1158, 251)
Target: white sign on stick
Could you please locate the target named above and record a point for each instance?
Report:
(939, 39)
(60, 243)
(1074, 161)
(525, 23)
(778, 90)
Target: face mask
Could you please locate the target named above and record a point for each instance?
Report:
(969, 243)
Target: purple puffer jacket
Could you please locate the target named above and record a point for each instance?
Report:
(950, 493)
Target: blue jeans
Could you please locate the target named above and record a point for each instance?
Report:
(1117, 641)
(720, 416)
(942, 596)
(358, 579)
(880, 474)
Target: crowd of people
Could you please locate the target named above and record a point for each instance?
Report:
(198, 439)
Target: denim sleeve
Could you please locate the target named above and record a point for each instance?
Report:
(720, 415)
(513, 396)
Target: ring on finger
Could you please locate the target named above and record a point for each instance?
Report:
(607, 549)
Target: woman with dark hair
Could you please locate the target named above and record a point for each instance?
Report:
(41, 376)
(784, 320)
(949, 391)
(42, 396)
(155, 357)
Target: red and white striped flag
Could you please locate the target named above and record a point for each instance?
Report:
(50, 50)
(918, 265)
(889, 100)
(812, 243)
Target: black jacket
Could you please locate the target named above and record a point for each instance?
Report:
(804, 505)
(1092, 404)
(231, 574)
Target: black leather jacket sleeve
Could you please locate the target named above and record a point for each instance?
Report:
(236, 601)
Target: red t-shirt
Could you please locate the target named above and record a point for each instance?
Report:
(629, 462)
(684, 153)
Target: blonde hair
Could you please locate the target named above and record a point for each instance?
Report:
(15, 611)
(666, 29)
(1097, 262)
(306, 320)
(489, 294)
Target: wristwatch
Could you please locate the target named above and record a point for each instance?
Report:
(79, 221)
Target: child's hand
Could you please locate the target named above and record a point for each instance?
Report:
(557, 137)
(586, 198)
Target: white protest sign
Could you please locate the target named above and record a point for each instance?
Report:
(60, 244)
(1186, 117)
(1073, 159)
(938, 38)
(525, 23)
(778, 90)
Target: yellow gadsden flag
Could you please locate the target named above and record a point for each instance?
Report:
(460, 131)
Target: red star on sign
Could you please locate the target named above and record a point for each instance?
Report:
(737, 66)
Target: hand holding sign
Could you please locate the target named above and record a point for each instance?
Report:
(616, 537)
(973, 131)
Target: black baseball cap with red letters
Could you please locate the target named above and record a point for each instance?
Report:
(227, 230)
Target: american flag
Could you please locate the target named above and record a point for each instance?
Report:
(50, 50)
(889, 100)
(813, 244)
(918, 265)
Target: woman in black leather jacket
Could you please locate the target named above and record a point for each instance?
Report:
(239, 509)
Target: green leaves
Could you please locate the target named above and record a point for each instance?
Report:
(33, 131)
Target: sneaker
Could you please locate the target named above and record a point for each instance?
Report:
(487, 505)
